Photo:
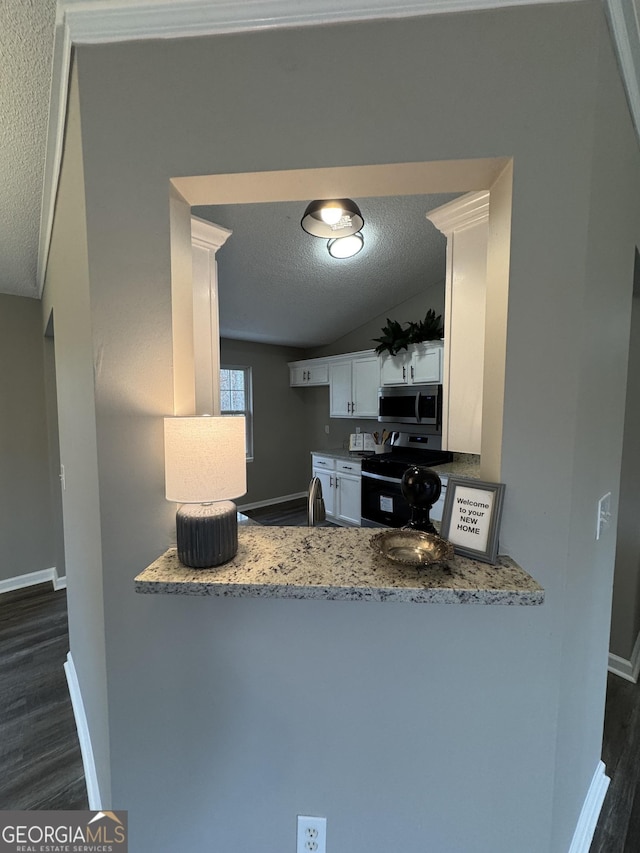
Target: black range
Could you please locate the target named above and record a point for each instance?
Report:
(382, 502)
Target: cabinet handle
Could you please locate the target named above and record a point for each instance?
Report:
(348, 468)
(353, 408)
(412, 373)
(306, 375)
(404, 372)
(348, 407)
(330, 481)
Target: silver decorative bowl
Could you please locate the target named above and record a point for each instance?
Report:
(412, 547)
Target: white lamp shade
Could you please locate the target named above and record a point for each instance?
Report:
(205, 458)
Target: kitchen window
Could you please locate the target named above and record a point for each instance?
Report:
(236, 398)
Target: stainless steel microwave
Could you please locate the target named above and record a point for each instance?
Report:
(411, 404)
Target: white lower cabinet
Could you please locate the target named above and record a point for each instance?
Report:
(348, 498)
(327, 481)
(340, 480)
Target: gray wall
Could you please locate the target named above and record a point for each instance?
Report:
(53, 446)
(465, 728)
(413, 309)
(66, 294)
(26, 533)
(625, 617)
(603, 314)
(362, 338)
(281, 462)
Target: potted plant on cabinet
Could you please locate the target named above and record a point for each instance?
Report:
(395, 337)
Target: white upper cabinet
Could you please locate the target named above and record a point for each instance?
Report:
(310, 372)
(420, 364)
(340, 396)
(465, 223)
(426, 364)
(353, 386)
(394, 369)
(365, 379)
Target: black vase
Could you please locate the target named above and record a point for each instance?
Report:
(421, 488)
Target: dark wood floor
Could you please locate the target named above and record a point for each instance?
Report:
(40, 761)
(288, 514)
(618, 829)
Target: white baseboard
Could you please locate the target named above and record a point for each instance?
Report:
(33, 578)
(90, 775)
(583, 836)
(270, 501)
(628, 669)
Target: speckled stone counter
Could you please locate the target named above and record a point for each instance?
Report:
(463, 465)
(337, 564)
(341, 453)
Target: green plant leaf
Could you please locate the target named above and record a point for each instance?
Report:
(429, 329)
(394, 338)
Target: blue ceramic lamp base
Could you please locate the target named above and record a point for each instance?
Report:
(207, 534)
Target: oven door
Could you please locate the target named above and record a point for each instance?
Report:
(382, 502)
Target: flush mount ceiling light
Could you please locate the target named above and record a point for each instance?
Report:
(345, 247)
(329, 218)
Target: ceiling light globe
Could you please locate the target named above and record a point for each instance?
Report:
(332, 214)
(345, 247)
(332, 217)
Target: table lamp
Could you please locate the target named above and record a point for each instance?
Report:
(205, 467)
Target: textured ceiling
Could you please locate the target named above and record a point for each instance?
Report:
(26, 48)
(277, 284)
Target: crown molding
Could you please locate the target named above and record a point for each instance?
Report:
(95, 21)
(625, 30)
(208, 235)
(58, 99)
(460, 213)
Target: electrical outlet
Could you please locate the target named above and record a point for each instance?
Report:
(326, 429)
(604, 514)
(312, 834)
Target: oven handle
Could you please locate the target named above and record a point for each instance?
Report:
(381, 477)
(418, 407)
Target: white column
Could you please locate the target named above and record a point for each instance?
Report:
(206, 239)
(465, 223)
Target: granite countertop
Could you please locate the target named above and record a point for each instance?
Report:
(463, 465)
(341, 453)
(337, 564)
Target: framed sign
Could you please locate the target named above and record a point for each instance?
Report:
(471, 517)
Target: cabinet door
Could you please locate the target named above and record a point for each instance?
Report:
(328, 483)
(340, 390)
(366, 381)
(348, 498)
(394, 369)
(318, 374)
(297, 376)
(309, 373)
(426, 364)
